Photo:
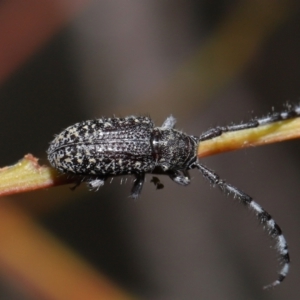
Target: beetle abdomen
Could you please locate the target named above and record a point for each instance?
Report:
(107, 146)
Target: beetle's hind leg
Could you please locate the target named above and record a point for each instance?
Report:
(137, 185)
(169, 123)
(96, 182)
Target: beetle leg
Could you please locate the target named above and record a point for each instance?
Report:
(138, 185)
(181, 177)
(169, 123)
(96, 183)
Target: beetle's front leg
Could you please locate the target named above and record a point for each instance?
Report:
(181, 177)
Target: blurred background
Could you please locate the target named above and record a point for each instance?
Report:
(207, 63)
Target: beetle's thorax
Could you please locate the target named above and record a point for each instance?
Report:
(172, 149)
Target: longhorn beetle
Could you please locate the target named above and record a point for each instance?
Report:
(105, 147)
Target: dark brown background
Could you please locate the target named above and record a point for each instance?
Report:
(206, 62)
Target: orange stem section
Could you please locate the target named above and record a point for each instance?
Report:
(27, 175)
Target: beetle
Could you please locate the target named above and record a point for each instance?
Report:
(97, 149)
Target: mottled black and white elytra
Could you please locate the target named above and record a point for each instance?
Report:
(97, 149)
